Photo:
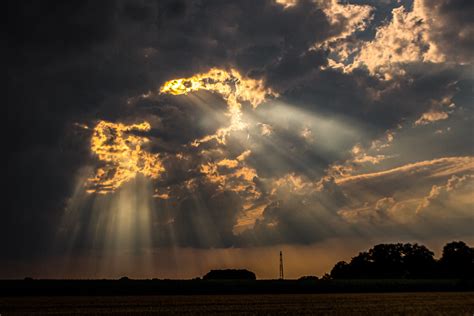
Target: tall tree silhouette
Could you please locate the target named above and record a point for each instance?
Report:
(408, 261)
(419, 261)
(457, 260)
(387, 261)
(340, 271)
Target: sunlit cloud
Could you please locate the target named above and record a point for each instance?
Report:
(440, 110)
(265, 129)
(406, 38)
(360, 156)
(435, 168)
(431, 116)
(234, 175)
(122, 154)
(403, 40)
(351, 18)
(450, 201)
(287, 3)
(307, 134)
(385, 141)
(438, 193)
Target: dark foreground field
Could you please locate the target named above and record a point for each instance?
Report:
(440, 303)
(157, 287)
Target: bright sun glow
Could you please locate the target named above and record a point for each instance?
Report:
(232, 86)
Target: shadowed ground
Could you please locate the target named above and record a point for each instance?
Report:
(284, 304)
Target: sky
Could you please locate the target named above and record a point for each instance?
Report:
(162, 139)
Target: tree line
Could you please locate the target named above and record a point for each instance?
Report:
(393, 261)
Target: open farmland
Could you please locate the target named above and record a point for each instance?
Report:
(440, 303)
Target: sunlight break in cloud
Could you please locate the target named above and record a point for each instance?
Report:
(232, 86)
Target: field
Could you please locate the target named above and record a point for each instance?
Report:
(440, 303)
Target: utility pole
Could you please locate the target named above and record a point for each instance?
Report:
(281, 266)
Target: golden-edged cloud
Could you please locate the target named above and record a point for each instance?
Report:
(405, 39)
(360, 156)
(236, 176)
(445, 201)
(232, 86)
(232, 175)
(431, 116)
(123, 157)
(287, 3)
(434, 168)
(352, 18)
(439, 193)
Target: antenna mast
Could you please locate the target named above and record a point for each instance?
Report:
(281, 266)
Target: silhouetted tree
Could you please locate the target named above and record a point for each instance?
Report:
(340, 271)
(230, 274)
(418, 261)
(387, 261)
(308, 278)
(408, 261)
(361, 266)
(326, 276)
(457, 260)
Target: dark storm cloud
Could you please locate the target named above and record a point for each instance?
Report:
(82, 61)
(379, 105)
(452, 28)
(49, 87)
